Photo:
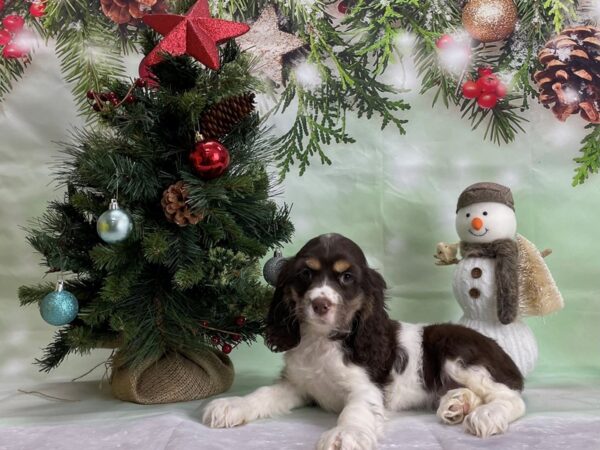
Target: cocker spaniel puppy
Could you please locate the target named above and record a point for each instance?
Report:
(345, 354)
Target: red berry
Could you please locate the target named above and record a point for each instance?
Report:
(240, 321)
(487, 84)
(342, 7)
(487, 101)
(444, 41)
(226, 348)
(204, 323)
(13, 23)
(501, 90)
(483, 71)
(470, 89)
(5, 37)
(37, 9)
(130, 99)
(96, 107)
(216, 340)
(236, 337)
(102, 96)
(141, 82)
(13, 51)
(1, 5)
(90, 95)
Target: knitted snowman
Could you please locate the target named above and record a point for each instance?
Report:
(495, 264)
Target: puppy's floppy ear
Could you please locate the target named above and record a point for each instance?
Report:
(376, 284)
(372, 342)
(282, 328)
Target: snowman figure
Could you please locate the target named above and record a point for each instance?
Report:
(501, 275)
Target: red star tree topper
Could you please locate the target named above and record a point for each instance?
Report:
(196, 34)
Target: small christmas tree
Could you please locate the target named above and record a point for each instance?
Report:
(182, 289)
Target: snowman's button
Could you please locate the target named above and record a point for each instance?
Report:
(474, 293)
(476, 272)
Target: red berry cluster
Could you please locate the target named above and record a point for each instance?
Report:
(216, 339)
(100, 100)
(487, 89)
(12, 25)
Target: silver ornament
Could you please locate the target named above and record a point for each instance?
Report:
(273, 267)
(114, 225)
(59, 307)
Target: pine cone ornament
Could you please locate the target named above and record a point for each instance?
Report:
(128, 11)
(222, 117)
(570, 80)
(174, 203)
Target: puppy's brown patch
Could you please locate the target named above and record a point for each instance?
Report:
(341, 265)
(313, 263)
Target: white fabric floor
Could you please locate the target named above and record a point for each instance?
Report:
(565, 416)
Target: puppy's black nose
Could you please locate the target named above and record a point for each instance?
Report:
(321, 305)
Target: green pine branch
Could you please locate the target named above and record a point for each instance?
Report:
(589, 161)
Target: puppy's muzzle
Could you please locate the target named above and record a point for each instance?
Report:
(321, 305)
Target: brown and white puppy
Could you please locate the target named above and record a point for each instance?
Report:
(344, 353)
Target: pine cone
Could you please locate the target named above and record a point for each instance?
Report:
(222, 117)
(128, 11)
(571, 76)
(174, 203)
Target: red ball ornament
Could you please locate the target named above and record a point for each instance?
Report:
(13, 23)
(488, 84)
(483, 71)
(5, 37)
(487, 101)
(37, 9)
(13, 51)
(226, 349)
(240, 321)
(501, 90)
(342, 7)
(216, 340)
(470, 89)
(210, 159)
(444, 41)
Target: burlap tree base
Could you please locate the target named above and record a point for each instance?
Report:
(173, 378)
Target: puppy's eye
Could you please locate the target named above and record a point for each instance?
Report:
(346, 278)
(468, 214)
(305, 274)
(485, 213)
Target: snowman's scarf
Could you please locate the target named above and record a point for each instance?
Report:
(506, 253)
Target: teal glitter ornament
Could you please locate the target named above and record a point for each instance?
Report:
(114, 225)
(59, 307)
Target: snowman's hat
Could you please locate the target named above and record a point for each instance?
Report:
(486, 192)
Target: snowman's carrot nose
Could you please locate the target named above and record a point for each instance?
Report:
(477, 223)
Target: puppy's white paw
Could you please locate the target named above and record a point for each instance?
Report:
(487, 420)
(347, 438)
(226, 413)
(456, 404)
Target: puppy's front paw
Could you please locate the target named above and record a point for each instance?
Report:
(226, 413)
(347, 438)
(486, 421)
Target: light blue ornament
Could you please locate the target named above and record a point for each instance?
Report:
(59, 307)
(114, 225)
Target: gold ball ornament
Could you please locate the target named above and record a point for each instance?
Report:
(490, 20)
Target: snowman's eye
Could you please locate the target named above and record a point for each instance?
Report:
(468, 214)
(485, 213)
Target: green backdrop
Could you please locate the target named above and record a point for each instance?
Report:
(394, 195)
